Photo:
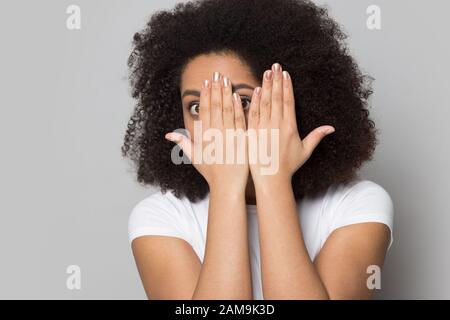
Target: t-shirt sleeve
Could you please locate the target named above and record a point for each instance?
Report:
(156, 215)
(365, 201)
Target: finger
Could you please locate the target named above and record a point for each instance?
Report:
(227, 104)
(276, 113)
(205, 104)
(216, 101)
(253, 111)
(182, 141)
(288, 100)
(239, 115)
(266, 97)
(313, 139)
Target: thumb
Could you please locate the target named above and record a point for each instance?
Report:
(313, 139)
(182, 141)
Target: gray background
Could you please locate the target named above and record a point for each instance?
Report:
(66, 193)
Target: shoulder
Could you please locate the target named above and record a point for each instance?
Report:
(363, 194)
(159, 214)
(359, 201)
(159, 200)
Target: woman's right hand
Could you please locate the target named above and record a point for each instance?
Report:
(222, 116)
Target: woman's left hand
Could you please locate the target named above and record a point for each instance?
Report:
(273, 108)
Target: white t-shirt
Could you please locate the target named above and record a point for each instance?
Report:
(341, 205)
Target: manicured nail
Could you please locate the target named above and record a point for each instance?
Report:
(216, 76)
(276, 67)
(205, 84)
(226, 82)
(258, 91)
(285, 75)
(328, 130)
(173, 137)
(268, 75)
(236, 96)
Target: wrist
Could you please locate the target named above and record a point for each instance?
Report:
(270, 184)
(227, 189)
(226, 198)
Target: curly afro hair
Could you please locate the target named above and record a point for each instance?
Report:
(328, 85)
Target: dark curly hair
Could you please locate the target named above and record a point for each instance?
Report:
(328, 85)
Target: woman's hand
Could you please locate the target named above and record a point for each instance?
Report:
(273, 108)
(222, 157)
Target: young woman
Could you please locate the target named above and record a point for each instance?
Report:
(310, 230)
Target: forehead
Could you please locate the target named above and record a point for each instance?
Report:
(203, 66)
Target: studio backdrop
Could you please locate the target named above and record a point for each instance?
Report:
(67, 193)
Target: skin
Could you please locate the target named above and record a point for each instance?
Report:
(169, 267)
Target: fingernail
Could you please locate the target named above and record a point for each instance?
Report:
(276, 67)
(268, 75)
(216, 76)
(285, 75)
(172, 137)
(226, 82)
(205, 84)
(169, 136)
(236, 96)
(258, 91)
(328, 130)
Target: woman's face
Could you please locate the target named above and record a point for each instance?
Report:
(202, 68)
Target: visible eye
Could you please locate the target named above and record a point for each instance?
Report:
(246, 101)
(194, 108)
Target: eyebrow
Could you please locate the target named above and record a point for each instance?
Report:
(233, 88)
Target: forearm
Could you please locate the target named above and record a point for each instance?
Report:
(286, 268)
(225, 272)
